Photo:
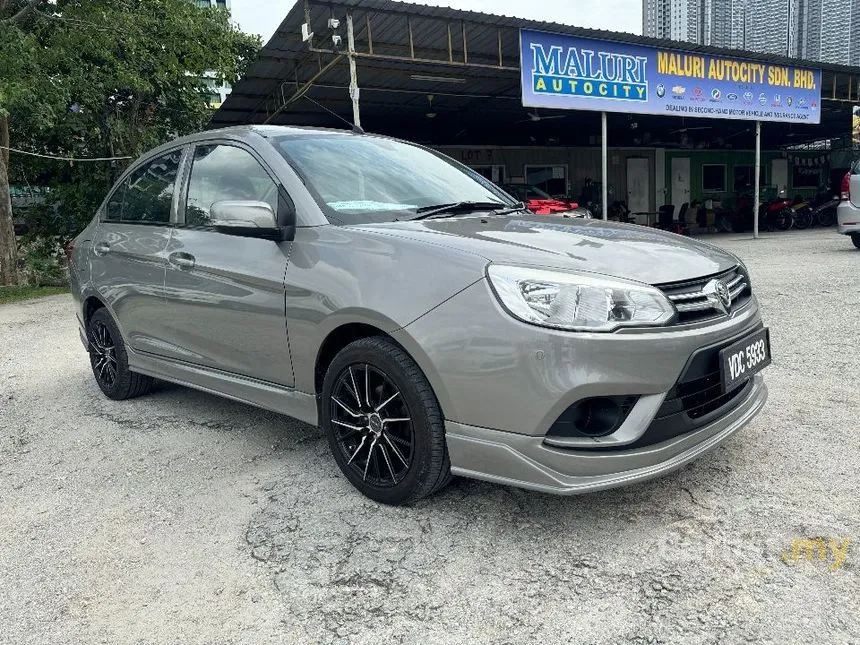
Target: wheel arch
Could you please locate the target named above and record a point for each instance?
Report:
(90, 305)
(347, 333)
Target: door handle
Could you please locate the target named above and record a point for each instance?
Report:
(101, 248)
(181, 260)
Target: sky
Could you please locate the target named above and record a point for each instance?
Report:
(263, 16)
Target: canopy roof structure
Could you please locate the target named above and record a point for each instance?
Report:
(444, 76)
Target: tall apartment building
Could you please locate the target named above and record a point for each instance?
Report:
(673, 19)
(829, 31)
(771, 26)
(825, 30)
(217, 88)
(724, 23)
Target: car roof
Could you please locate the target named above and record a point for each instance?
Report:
(240, 132)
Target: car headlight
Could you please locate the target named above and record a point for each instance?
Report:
(578, 301)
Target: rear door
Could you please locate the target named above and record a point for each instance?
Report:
(130, 249)
(226, 302)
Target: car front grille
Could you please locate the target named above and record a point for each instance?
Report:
(692, 302)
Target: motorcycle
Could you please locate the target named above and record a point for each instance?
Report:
(825, 214)
(777, 214)
(823, 207)
(802, 213)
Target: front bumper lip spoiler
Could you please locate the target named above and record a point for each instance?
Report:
(527, 462)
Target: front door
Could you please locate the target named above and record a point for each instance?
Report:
(680, 181)
(226, 303)
(130, 250)
(638, 185)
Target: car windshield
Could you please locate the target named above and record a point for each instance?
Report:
(363, 179)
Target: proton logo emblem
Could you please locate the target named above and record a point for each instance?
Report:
(718, 296)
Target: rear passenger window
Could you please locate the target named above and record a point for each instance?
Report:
(225, 173)
(146, 196)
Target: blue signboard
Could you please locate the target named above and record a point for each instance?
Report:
(571, 73)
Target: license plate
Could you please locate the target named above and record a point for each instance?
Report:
(741, 360)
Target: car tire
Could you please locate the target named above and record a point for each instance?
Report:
(109, 360)
(855, 237)
(384, 425)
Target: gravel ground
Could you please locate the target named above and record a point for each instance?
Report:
(184, 518)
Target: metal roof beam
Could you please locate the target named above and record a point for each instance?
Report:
(426, 61)
(280, 102)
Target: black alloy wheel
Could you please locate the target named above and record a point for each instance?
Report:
(103, 354)
(373, 428)
(109, 359)
(384, 425)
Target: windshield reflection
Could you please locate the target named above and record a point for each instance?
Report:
(363, 179)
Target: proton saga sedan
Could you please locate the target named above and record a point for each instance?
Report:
(427, 321)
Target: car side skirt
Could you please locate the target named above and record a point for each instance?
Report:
(262, 394)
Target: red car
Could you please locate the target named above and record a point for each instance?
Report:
(539, 202)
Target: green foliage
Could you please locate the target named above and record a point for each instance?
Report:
(16, 294)
(106, 78)
(42, 261)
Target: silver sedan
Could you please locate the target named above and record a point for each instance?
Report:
(428, 322)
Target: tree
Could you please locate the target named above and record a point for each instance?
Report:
(103, 78)
(18, 54)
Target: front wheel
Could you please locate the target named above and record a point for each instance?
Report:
(855, 237)
(383, 422)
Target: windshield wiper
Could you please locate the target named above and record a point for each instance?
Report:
(457, 207)
(519, 207)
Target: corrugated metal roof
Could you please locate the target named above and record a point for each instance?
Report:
(484, 100)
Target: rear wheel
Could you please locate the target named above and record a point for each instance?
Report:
(855, 237)
(827, 217)
(109, 360)
(803, 218)
(784, 219)
(383, 422)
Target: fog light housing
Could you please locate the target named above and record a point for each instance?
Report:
(593, 417)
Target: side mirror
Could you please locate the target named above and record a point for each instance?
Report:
(230, 214)
(249, 219)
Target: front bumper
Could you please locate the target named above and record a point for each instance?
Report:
(528, 462)
(503, 384)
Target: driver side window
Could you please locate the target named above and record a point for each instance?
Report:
(221, 173)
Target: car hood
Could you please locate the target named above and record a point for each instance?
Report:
(621, 250)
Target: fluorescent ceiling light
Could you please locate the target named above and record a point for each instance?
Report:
(437, 79)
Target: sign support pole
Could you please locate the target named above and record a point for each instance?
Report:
(604, 166)
(353, 75)
(757, 197)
